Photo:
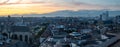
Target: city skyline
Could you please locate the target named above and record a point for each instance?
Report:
(10, 7)
(59, 23)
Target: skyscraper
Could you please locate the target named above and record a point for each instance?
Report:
(104, 16)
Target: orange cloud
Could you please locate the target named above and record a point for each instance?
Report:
(10, 7)
(27, 9)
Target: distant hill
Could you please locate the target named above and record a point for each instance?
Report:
(70, 13)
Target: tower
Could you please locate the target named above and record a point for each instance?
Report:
(22, 20)
(117, 23)
(104, 16)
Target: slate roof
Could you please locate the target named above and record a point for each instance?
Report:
(20, 29)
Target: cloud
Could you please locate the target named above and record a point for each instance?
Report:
(76, 4)
(46, 6)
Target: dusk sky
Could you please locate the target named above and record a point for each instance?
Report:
(9, 7)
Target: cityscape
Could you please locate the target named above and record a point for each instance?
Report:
(59, 23)
(102, 31)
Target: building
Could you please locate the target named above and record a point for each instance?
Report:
(104, 16)
(118, 19)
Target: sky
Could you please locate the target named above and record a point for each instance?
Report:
(20, 7)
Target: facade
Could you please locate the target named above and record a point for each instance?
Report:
(104, 16)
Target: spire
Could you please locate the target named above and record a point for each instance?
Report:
(22, 20)
(9, 17)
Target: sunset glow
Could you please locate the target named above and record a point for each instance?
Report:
(10, 7)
